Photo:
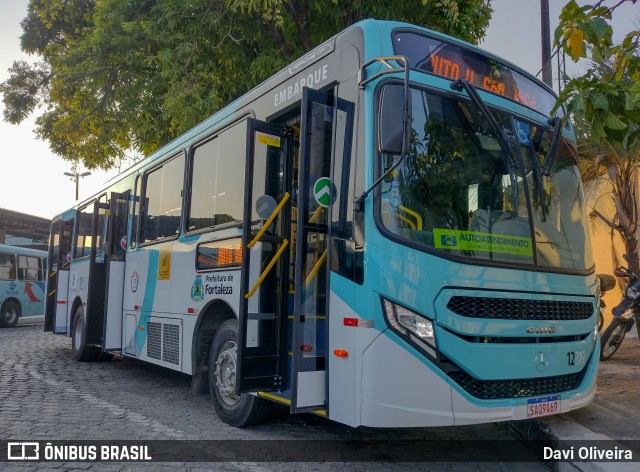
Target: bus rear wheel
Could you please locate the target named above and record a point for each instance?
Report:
(81, 352)
(10, 314)
(234, 409)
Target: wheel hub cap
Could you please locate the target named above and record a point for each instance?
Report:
(226, 373)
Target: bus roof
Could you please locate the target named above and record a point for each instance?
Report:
(21, 251)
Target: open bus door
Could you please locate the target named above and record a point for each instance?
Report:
(325, 121)
(97, 274)
(266, 239)
(58, 262)
(116, 244)
(285, 279)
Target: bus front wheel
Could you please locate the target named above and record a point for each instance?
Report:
(237, 410)
(81, 352)
(10, 314)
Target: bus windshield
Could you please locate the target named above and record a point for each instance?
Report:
(458, 194)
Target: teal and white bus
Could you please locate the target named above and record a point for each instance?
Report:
(389, 232)
(22, 278)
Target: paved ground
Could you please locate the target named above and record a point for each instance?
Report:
(46, 395)
(615, 411)
(613, 419)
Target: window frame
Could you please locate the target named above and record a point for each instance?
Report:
(13, 267)
(377, 206)
(143, 207)
(189, 182)
(76, 226)
(222, 268)
(38, 268)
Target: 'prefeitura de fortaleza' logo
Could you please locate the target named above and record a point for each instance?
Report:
(197, 290)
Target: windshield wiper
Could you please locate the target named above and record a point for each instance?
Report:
(534, 144)
(509, 158)
(550, 159)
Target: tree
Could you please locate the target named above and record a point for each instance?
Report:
(119, 75)
(605, 105)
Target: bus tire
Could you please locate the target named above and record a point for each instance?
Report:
(81, 352)
(10, 314)
(235, 410)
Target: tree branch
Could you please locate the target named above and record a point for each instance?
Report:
(610, 224)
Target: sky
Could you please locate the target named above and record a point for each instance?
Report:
(32, 179)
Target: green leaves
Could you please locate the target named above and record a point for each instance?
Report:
(23, 89)
(606, 98)
(605, 106)
(131, 75)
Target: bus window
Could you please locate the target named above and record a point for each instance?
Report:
(84, 232)
(163, 201)
(217, 168)
(7, 267)
(29, 268)
(55, 246)
(219, 254)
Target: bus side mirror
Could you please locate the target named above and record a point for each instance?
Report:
(394, 120)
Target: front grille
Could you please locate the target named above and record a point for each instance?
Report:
(518, 388)
(519, 309)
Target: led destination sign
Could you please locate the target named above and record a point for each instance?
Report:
(485, 73)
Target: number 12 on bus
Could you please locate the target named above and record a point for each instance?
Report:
(360, 236)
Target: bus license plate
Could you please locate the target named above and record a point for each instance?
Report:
(543, 406)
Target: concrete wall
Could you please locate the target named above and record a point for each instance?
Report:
(606, 247)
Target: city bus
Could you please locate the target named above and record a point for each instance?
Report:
(22, 278)
(389, 232)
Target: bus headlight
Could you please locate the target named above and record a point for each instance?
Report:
(407, 322)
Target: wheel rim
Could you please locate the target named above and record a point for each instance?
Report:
(614, 341)
(226, 373)
(10, 314)
(77, 333)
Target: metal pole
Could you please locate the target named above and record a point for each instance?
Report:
(77, 176)
(545, 33)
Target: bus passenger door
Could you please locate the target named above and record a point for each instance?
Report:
(266, 239)
(58, 263)
(324, 123)
(97, 274)
(116, 245)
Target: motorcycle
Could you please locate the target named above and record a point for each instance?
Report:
(625, 314)
(605, 283)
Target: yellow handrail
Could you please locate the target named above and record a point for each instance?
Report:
(406, 220)
(269, 220)
(415, 215)
(285, 243)
(316, 268)
(316, 214)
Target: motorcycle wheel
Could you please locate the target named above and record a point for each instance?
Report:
(612, 338)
